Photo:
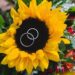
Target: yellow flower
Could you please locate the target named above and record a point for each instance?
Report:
(33, 37)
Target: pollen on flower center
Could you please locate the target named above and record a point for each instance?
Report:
(32, 35)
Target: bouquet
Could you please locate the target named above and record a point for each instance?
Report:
(37, 37)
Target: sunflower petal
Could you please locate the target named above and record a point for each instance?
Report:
(2, 49)
(66, 41)
(23, 54)
(12, 30)
(3, 37)
(21, 65)
(29, 66)
(14, 13)
(15, 16)
(44, 63)
(4, 61)
(13, 55)
(23, 10)
(35, 63)
(42, 9)
(23, 6)
(53, 55)
(41, 67)
(11, 64)
(33, 6)
(52, 45)
(40, 54)
(8, 42)
(8, 51)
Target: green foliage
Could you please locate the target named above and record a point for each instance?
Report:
(63, 50)
(57, 3)
(39, 1)
(68, 60)
(62, 46)
(72, 9)
(1, 21)
(27, 2)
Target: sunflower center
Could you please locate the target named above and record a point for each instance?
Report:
(32, 35)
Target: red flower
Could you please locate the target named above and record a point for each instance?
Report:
(70, 30)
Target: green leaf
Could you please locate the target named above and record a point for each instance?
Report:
(1, 20)
(14, 72)
(68, 60)
(62, 47)
(57, 3)
(39, 1)
(27, 2)
(72, 9)
(2, 23)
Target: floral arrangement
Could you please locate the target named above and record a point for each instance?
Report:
(37, 37)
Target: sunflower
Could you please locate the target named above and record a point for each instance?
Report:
(33, 37)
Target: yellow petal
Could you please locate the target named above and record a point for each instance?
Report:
(23, 10)
(29, 66)
(23, 16)
(58, 14)
(8, 51)
(35, 63)
(4, 61)
(44, 62)
(52, 45)
(12, 30)
(23, 54)
(33, 6)
(32, 56)
(13, 55)
(2, 49)
(11, 64)
(40, 54)
(41, 67)
(3, 37)
(43, 9)
(23, 6)
(53, 55)
(21, 65)
(15, 16)
(66, 41)
(57, 21)
(9, 42)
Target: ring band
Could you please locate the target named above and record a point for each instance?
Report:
(28, 34)
(34, 30)
(28, 38)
